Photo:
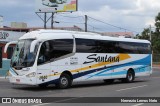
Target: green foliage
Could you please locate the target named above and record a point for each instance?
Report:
(154, 34)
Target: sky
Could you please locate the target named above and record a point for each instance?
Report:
(132, 15)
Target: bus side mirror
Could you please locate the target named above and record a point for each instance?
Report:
(33, 44)
(7, 45)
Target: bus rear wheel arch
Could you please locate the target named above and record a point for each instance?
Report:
(65, 81)
(130, 76)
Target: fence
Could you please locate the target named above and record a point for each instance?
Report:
(156, 58)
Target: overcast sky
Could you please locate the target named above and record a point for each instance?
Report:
(130, 14)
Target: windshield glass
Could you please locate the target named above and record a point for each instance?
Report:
(22, 57)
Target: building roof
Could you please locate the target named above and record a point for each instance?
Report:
(117, 34)
(74, 28)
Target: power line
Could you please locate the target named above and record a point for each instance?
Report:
(82, 17)
(94, 27)
(112, 25)
(69, 22)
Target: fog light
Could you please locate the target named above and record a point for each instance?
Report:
(33, 74)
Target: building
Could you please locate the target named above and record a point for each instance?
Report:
(119, 34)
(18, 25)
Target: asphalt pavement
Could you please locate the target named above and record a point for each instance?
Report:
(142, 87)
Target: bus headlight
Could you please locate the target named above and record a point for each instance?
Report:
(33, 74)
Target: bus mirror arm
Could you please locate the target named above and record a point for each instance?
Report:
(7, 45)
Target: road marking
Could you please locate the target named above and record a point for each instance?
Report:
(42, 104)
(67, 99)
(138, 104)
(155, 77)
(57, 101)
(132, 88)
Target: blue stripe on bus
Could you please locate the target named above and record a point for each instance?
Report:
(143, 61)
(124, 72)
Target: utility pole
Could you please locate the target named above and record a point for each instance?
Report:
(150, 33)
(86, 19)
(52, 20)
(45, 20)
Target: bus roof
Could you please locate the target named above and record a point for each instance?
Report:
(63, 34)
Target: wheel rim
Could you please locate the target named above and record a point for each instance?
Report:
(64, 81)
(130, 77)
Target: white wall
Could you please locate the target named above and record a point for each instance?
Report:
(7, 36)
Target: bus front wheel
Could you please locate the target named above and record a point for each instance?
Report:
(64, 81)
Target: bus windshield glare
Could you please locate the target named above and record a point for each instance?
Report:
(22, 57)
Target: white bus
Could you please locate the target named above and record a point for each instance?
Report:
(59, 57)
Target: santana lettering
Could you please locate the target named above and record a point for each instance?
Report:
(95, 58)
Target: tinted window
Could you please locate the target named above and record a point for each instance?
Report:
(10, 52)
(106, 46)
(127, 47)
(53, 49)
(86, 46)
(60, 47)
(103, 46)
(44, 54)
(134, 48)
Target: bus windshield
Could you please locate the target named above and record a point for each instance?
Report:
(22, 57)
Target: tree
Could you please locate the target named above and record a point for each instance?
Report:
(155, 35)
(145, 34)
(157, 23)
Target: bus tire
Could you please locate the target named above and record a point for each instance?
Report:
(129, 77)
(108, 81)
(64, 81)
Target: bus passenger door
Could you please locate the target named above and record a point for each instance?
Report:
(43, 72)
(43, 64)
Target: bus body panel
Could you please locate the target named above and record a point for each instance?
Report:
(82, 66)
(98, 71)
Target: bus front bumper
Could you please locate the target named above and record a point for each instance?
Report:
(14, 79)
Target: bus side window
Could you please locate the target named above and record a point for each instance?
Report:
(44, 55)
(60, 47)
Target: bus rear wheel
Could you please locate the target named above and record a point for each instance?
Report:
(129, 77)
(64, 81)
